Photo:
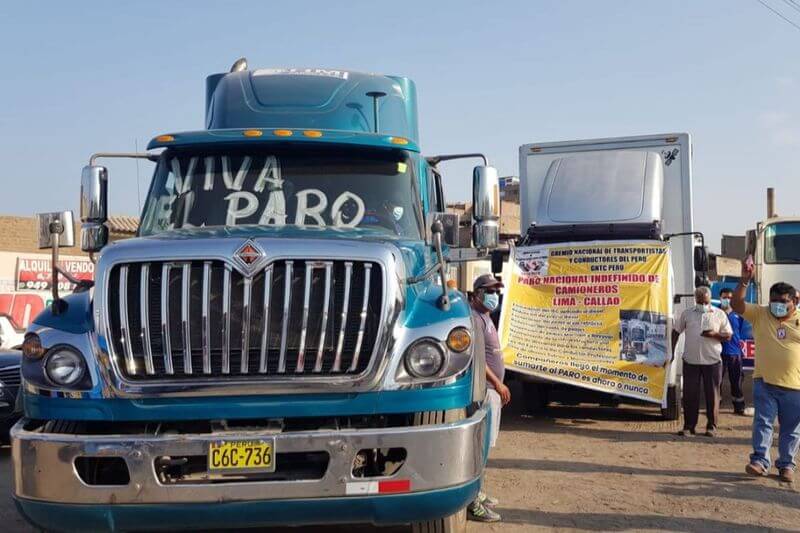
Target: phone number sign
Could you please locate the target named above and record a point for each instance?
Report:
(35, 274)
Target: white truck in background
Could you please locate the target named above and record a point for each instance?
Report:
(612, 189)
(775, 247)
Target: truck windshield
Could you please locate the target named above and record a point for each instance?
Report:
(782, 243)
(372, 191)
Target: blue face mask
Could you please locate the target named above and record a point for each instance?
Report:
(778, 309)
(491, 301)
(724, 303)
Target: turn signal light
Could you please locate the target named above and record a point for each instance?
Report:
(32, 346)
(459, 340)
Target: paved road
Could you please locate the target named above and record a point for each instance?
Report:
(10, 521)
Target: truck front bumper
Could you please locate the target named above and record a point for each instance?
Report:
(445, 457)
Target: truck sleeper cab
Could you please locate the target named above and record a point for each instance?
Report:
(274, 341)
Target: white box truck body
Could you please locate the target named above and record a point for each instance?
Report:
(615, 188)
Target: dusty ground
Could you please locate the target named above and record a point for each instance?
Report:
(620, 470)
(594, 469)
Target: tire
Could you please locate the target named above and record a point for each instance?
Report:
(537, 397)
(455, 523)
(673, 409)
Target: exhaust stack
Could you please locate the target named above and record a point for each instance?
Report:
(771, 202)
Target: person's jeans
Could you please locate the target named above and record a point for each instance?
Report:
(771, 401)
(732, 365)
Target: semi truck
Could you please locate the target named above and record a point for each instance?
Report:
(614, 189)
(775, 247)
(278, 344)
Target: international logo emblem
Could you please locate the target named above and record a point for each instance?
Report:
(249, 254)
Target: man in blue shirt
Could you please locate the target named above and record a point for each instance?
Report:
(732, 351)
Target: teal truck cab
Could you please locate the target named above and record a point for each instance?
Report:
(278, 345)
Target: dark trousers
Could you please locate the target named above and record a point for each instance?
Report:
(732, 365)
(711, 378)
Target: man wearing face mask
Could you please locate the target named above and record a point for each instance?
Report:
(705, 328)
(732, 351)
(776, 376)
(485, 299)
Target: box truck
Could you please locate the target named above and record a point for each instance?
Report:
(614, 189)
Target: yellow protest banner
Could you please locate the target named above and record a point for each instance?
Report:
(591, 314)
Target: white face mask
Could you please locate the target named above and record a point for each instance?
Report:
(702, 308)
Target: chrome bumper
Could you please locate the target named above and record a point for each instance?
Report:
(438, 456)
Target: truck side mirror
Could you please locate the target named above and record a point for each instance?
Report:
(56, 230)
(701, 267)
(449, 222)
(485, 207)
(700, 259)
(94, 208)
(750, 241)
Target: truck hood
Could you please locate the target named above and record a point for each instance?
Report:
(416, 255)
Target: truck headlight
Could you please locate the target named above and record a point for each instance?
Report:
(424, 359)
(64, 367)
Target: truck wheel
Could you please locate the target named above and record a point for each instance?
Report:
(537, 397)
(673, 409)
(455, 523)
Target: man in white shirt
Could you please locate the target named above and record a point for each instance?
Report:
(705, 328)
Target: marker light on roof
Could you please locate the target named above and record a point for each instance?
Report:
(165, 138)
(282, 133)
(312, 133)
(398, 140)
(252, 133)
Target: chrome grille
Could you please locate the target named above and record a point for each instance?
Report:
(194, 320)
(10, 376)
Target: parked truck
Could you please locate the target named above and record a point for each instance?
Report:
(278, 343)
(614, 189)
(775, 247)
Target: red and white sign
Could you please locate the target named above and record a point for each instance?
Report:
(35, 274)
(388, 486)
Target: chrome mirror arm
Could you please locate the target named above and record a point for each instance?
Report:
(444, 300)
(439, 266)
(122, 155)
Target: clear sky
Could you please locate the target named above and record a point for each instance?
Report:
(82, 77)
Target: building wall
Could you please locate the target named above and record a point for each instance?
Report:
(25, 269)
(734, 246)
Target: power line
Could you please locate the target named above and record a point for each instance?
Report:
(792, 5)
(781, 15)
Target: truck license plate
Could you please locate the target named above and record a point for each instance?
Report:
(242, 456)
